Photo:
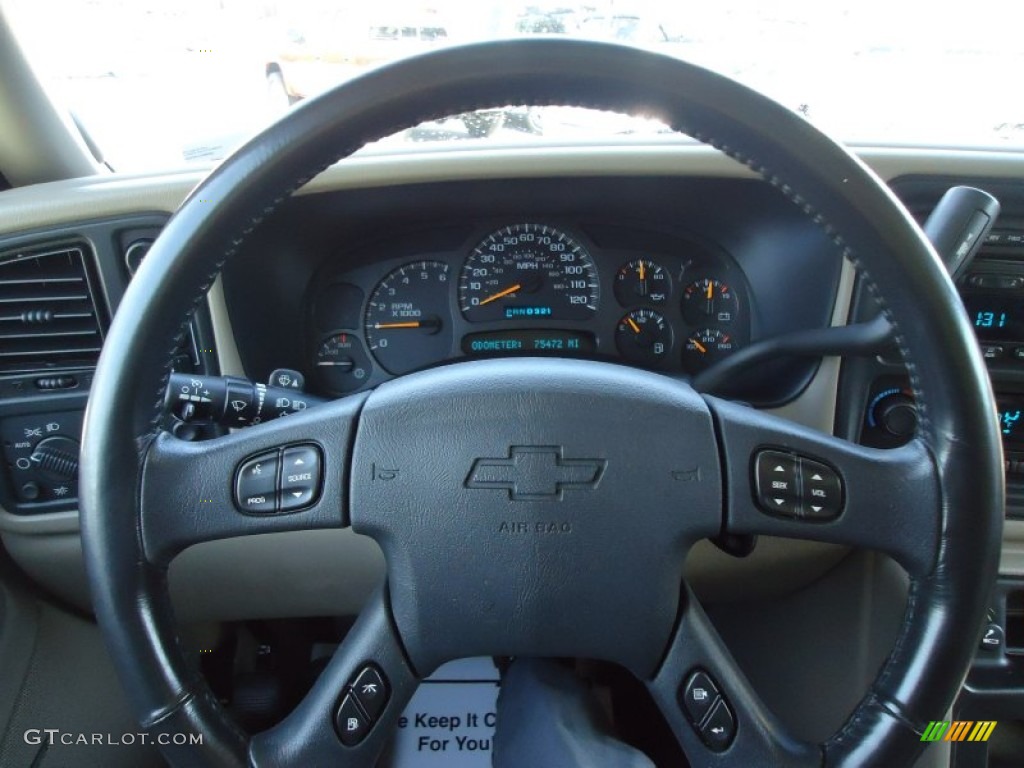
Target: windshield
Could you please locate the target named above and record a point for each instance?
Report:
(163, 84)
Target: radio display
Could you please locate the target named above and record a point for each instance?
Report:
(528, 342)
(996, 318)
(1011, 421)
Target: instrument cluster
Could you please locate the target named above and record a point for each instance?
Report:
(528, 288)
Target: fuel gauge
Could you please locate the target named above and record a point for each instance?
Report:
(341, 363)
(643, 337)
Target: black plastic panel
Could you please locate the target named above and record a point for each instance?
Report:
(788, 268)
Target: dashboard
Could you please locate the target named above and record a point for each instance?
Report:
(667, 274)
(533, 287)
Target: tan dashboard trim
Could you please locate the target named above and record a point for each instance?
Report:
(96, 197)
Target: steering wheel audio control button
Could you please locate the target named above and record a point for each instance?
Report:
(301, 474)
(371, 690)
(698, 696)
(793, 486)
(351, 723)
(822, 491)
(778, 483)
(256, 484)
(720, 728)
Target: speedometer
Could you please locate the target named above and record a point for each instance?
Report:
(528, 271)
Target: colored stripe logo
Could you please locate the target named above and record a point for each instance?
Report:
(958, 730)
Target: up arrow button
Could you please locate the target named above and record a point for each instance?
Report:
(302, 478)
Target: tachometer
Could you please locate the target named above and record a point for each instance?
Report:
(408, 323)
(528, 271)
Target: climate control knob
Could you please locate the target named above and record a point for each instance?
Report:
(897, 415)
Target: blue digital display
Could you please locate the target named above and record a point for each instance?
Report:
(1011, 421)
(516, 312)
(526, 342)
(995, 317)
(985, 319)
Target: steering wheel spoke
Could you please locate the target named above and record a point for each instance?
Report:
(783, 479)
(350, 713)
(715, 714)
(246, 482)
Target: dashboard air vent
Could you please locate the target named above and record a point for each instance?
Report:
(49, 317)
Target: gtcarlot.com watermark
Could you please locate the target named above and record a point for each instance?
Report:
(54, 736)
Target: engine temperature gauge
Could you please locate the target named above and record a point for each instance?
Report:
(643, 337)
(709, 301)
(706, 346)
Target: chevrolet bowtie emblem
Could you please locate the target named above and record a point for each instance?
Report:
(535, 473)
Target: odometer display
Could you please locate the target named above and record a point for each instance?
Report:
(527, 271)
(528, 342)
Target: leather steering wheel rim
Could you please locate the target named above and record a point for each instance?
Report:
(959, 449)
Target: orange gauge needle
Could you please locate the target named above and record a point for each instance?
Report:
(500, 294)
(410, 324)
(643, 274)
(633, 325)
(700, 347)
(711, 290)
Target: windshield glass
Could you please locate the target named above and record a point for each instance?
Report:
(163, 84)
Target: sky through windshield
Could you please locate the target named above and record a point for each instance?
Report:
(165, 84)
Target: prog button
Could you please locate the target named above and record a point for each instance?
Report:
(256, 484)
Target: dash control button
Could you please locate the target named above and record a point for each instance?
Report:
(300, 477)
(350, 722)
(256, 484)
(372, 692)
(720, 728)
(699, 695)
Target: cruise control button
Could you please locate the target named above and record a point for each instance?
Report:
(698, 696)
(256, 484)
(372, 691)
(822, 491)
(720, 728)
(351, 723)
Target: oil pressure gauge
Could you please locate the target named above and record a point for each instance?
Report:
(642, 281)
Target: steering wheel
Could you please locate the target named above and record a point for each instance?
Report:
(515, 514)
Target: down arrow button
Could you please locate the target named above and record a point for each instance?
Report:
(300, 477)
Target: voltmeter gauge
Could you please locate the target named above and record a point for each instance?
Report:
(643, 337)
(710, 301)
(341, 364)
(706, 346)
